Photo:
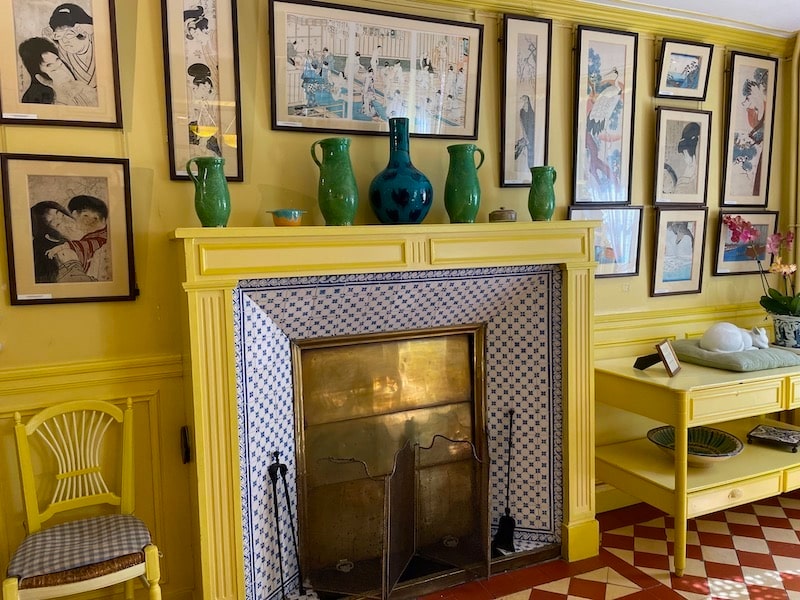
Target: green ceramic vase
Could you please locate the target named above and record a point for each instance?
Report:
(542, 196)
(337, 193)
(212, 201)
(462, 191)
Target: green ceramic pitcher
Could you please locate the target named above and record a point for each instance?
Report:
(212, 201)
(337, 193)
(462, 191)
(542, 197)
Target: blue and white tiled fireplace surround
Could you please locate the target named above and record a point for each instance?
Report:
(523, 348)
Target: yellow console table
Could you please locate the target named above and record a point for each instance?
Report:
(734, 402)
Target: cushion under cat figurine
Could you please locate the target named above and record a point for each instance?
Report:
(727, 337)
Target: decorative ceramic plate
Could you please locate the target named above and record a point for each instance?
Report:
(706, 444)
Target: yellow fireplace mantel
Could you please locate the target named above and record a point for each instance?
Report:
(216, 259)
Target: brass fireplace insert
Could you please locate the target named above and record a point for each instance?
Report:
(392, 459)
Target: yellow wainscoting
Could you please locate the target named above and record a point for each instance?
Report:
(162, 481)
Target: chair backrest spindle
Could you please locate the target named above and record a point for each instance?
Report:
(75, 433)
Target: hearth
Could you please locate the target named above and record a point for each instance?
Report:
(392, 458)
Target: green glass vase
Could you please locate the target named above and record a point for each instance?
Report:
(337, 193)
(542, 196)
(462, 191)
(212, 200)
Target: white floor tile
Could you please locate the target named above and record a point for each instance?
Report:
(750, 544)
(725, 556)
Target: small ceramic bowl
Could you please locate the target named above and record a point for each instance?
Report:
(502, 215)
(287, 217)
(706, 444)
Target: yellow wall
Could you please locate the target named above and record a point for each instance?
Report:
(90, 338)
(279, 170)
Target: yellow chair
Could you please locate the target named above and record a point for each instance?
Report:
(90, 552)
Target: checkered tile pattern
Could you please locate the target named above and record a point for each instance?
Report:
(78, 544)
(751, 552)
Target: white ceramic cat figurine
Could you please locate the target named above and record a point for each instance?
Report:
(727, 337)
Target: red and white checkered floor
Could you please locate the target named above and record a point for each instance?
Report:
(751, 552)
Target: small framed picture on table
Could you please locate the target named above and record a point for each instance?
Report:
(668, 357)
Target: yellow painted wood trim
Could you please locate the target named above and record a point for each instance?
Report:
(216, 258)
(56, 377)
(609, 322)
(579, 528)
(216, 442)
(610, 498)
(584, 540)
(627, 16)
(739, 36)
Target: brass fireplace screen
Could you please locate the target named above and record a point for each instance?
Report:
(392, 459)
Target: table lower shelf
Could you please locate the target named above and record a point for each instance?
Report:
(647, 472)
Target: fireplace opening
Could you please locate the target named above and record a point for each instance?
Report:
(392, 459)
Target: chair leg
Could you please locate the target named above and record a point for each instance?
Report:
(152, 571)
(129, 589)
(11, 588)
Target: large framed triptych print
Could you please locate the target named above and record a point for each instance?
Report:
(346, 69)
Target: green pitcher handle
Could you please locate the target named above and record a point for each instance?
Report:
(555, 175)
(479, 151)
(314, 153)
(189, 162)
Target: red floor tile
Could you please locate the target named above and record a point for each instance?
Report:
(766, 593)
(657, 583)
(755, 560)
(721, 571)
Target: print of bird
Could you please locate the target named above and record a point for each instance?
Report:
(605, 103)
(528, 123)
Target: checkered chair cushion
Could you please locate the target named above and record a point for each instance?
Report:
(77, 544)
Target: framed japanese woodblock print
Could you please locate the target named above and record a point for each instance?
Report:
(526, 92)
(682, 145)
(201, 67)
(58, 63)
(68, 228)
(736, 258)
(604, 104)
(683, 70)
(748, 141)
(344, 69)
(617, 240)
(678, 256)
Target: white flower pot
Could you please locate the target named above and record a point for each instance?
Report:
(787, 330)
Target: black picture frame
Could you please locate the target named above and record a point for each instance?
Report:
(750, 124)
(741, 258)
(324, 77)
(525, 108)
(683, 143)
(605, 101)
(69, 236)
(618, 241)
(201, 75)
(679, 242)
(69, 91)
(683, 69)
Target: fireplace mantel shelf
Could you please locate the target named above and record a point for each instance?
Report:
(225, 255)
(217, 259)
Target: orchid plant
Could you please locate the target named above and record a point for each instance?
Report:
(775, 301)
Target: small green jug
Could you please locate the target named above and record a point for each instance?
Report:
(462, 191)
(212, 201)
(337, 193)
(542, 197)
